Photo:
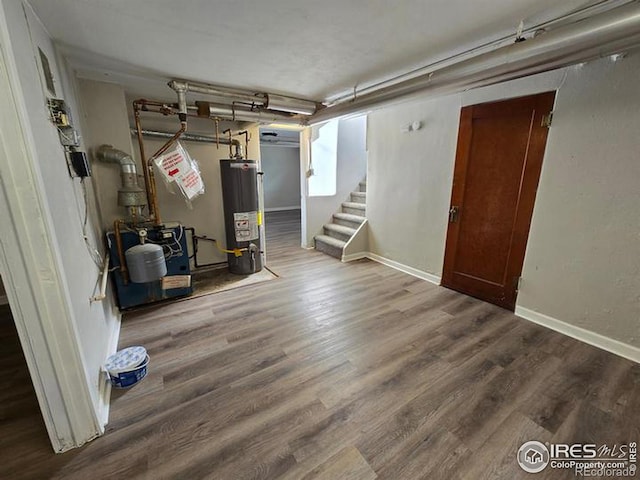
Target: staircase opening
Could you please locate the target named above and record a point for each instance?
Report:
(335, 153)
(344, 224)
(323, 159)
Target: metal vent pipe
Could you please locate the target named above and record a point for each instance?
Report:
(292, 105)
(594, 37)
(130, 195)
(229, 93)
(217, 110)
(263, 100)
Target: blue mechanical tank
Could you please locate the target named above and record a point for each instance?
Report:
(177, 282)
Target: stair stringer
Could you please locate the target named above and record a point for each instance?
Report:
(358, 245)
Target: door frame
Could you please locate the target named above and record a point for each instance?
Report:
(526, 201)
(32, 272)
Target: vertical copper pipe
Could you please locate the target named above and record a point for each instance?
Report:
(153, 194)
(171, 141)
(145, 170)
(149, 168)
(121, 259)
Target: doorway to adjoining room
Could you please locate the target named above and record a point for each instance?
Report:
(280, 159)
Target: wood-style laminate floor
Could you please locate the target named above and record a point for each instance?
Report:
(344, 371)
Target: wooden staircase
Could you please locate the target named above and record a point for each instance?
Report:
(344, 224)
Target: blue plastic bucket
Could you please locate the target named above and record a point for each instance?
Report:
(127, 367)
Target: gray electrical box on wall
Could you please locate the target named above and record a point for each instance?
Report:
(69, 139)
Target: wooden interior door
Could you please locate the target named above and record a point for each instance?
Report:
(498, 162)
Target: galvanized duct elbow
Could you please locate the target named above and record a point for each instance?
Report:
(108, 154)
(130, 195)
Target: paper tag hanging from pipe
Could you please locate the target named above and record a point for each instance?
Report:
(191, 184)
(178, 167)
(173, 163)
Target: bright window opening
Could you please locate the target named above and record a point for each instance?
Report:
(324, 159)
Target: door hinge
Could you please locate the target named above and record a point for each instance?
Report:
(453, 214)
(547, 120)
(516, 283)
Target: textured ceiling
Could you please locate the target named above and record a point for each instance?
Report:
(306, 48)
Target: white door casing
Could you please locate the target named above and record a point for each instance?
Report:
(33, 276)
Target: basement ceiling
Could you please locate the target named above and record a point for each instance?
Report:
(305, 48)
(279, 136)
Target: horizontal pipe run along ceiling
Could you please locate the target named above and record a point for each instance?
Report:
(589, 38)
(601, 35)
(525, 30)
(308, 50)
(245, 105)
(189, 137)
(243, 114)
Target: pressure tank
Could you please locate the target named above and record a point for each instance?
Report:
(146, 263)
(241, 216)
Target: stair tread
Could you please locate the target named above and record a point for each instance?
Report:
(340, 228)
(350, 217)
(359, 194)
(354, 205)
(334, 242)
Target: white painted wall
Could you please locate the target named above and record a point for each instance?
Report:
(91, 326)
(409, 181)
(583, 259)
(582, 263)
(410, 173)
(281, 167)
(352, 168)
(106, 121)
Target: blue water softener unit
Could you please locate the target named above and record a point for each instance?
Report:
(150, 265)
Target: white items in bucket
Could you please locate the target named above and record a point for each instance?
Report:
(177, 166)
(127, 367)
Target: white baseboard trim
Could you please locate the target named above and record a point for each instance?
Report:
(4, 300)
(282, 209)
(597, 340)
(354, 256)
(105, 390)
(616, 347)
(429, 277)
